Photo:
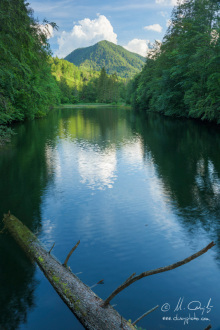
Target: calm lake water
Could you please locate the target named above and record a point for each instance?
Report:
(140, 192)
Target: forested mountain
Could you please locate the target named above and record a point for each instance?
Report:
(114, 58)
(27, 87)
(182, 76)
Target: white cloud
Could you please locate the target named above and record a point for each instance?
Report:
(167, 2)
(47, 29)
(154, 27)
(139, 46)
(86, 33)
(164, 13)
(168, 22)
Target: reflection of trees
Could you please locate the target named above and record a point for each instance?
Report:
(24, 175)
(17, 285)
(102, 126)
(186, 156)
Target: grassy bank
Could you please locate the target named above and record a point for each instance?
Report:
(93, 105)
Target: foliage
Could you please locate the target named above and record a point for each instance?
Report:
(71, 79)
(27, 88)
(85, 85)
(182, 78)
(114, 58)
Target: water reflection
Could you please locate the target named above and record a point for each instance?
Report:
(186, 157)
(102, 175)
(24, 176)
(17, 285)
(97, 167)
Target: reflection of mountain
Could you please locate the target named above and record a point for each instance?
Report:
(186, 156)
(89, 139)
(23, 176)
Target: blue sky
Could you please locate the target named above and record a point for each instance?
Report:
(131, 24)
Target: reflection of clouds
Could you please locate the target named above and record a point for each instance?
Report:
(207, 176)
(47, 227)
(52, 160)
(49, 155)
(133, 152)
(47, 232)
(163, 213)
(97, 167)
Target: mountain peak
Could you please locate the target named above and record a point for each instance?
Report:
(106, 54)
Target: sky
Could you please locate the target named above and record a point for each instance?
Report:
(131, 24)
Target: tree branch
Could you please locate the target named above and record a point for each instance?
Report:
(145, 314)
(52, 248)
(70, 253)
(133, 279)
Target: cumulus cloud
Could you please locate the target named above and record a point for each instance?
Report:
(154, 27)
(46, 29)
(167, 2)
(86, 33)
(139, 46)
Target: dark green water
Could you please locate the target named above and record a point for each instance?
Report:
(140, 192)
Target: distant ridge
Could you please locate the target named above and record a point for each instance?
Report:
(106, 54)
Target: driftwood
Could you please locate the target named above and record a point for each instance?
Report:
(80, 299)
(92, 312)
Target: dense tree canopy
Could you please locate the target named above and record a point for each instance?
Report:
(86, 85)
(182, 77)
(27, 88)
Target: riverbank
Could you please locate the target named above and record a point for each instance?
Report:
(93, 105)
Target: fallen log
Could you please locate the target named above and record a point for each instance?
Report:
(92, 312)
(80, 299)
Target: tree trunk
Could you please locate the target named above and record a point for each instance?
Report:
(80, 299)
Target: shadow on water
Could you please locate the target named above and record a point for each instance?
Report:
(186, 156)
(24, 176)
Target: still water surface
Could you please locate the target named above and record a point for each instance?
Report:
(140, 192)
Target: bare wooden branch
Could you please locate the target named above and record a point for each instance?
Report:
(208, 327)
(145, 314)
(52, 248)
(70, 253)
(99, 282)
(130, 277)
(133, 279)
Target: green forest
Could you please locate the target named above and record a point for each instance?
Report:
(27, 88)
(181, 76)
(77, 84)
(31, 80)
